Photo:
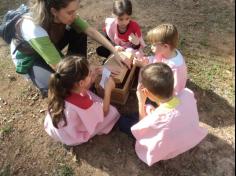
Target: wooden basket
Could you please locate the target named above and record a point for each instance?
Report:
(123, 82)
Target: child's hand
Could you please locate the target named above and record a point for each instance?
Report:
(141, 94)
(134, 39)
(140, 62)
(119, 48)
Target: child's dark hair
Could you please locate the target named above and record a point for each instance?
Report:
(69, 71)
(158, 79)
(121, 7)
(165, 34)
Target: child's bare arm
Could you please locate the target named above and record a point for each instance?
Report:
(141, 101)
(109, 86)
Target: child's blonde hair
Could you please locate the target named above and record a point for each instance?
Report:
(165, 34)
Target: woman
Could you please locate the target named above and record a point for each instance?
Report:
(44, 32)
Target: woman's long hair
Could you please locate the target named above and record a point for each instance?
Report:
(40, 10)
(69, 71)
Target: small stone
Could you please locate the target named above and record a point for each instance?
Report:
(32, 103)
(9, 121)
(118, 151)
(42, 110)
(35, 97)
(74, 159)
(11, 78)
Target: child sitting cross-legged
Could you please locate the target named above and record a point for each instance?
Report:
(123, 31)
(170, 129)
(75, 114)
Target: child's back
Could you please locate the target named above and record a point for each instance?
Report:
(170, 130)
(85, 119)
(179, 68)
(74, 113)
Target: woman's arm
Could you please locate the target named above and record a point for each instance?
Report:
(94, 34)
(46, 49)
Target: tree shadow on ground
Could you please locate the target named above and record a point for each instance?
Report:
(213, 109)
(115, 156)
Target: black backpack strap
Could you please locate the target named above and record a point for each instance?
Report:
(21, 45)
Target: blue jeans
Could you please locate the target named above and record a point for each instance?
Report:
(41, 71)
(126, 122)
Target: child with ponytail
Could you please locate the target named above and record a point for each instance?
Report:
(74, 113)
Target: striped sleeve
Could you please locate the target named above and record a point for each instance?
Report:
(39, 40)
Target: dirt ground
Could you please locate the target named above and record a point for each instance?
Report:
(207, 39)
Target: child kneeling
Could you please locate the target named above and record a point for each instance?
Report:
(170, 129)
(75, 114)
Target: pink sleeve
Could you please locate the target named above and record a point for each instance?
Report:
(180, 79)
(152, 145)
(144, 126)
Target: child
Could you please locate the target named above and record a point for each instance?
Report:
(74, 113)
(170, 129)
(164, 39)
(124, 32)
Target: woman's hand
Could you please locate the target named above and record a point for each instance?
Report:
(121, 60)
(119, 48)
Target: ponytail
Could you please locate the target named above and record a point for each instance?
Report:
(69, 71)
(39, 12)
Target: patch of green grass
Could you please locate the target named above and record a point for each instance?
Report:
(65, 170)
(6, 130)
(212, 73)
(182, 43)
(6, 171)
(204, 42)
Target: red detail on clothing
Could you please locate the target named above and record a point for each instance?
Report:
(132, 27)
(82, 101)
